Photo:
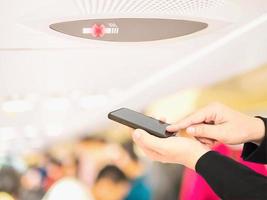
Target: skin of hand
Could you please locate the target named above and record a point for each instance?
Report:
(217, 122)
(176, 149)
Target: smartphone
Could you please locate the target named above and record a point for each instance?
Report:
(137, 120)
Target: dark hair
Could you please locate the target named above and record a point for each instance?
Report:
(93, 138)
(9, 181)
(114, 173)
(54, 161)
(129, 148)
(32, 194)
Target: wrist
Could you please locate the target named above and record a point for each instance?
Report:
(196, 155)
(258, 130)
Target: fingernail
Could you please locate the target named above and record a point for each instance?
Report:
(136, 135)
(169, 127)
(190, 130)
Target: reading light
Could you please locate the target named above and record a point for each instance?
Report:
(98, 30)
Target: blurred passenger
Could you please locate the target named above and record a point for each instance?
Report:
(68, 189)
(54, 171)
(71, 164)
(111, 184)
(165, 180)
(9, 183)
(32, 184)
(90, 156)
(134, 169)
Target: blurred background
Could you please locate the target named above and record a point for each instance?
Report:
(56, 91)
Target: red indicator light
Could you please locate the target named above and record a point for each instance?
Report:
(98, 30)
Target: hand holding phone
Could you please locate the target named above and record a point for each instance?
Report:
(137, 120)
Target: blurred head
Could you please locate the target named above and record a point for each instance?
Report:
(32, 179)
(92, 142)
(111, 184)
(32, 195)
(90, 154)
(92, 149)
(131, 164)
(9, 181)
(54, 168)
(67, 189)
(129, 149)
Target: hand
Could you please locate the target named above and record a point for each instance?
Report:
(180, 150)
(218, 122)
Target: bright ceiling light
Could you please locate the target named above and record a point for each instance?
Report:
(93, 101)
(57, 104)
(16, 106)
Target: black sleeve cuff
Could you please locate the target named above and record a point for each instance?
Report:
(205, 167)
(254, 153)
(231, 180)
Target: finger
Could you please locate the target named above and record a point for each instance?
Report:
(147, 141)
(162, 119)
(195, 118)
(204, 115)
(210, 145)
(206, 141)
(183, 133)
(205, 131)
(152, 154)
(156, 157)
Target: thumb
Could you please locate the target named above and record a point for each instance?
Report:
(204, 130)
(145, 140)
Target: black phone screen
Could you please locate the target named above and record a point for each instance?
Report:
(137, 120)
